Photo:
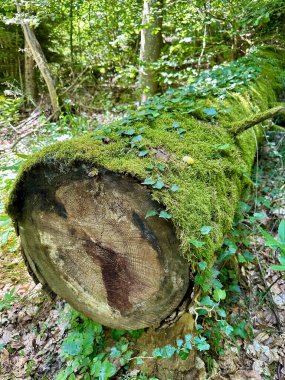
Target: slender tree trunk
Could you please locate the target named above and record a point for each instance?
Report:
(151, 43)
(30, 83)
(71, 31)
(40, 59)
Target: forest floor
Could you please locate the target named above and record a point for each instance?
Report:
(32, 326)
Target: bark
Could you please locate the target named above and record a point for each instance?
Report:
(151, 44)
(40, 59)
(30, 82)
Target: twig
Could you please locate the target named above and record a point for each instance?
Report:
(75, 81)
(238, 128)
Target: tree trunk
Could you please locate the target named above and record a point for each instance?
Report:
(30, 83)
(80, 208)
(151, 43)
(40, 59)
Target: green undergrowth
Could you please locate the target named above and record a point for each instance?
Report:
(188, 159)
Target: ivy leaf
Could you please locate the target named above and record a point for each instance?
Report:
(150, 213)
(127, 132)
(207, 301)
(140, 361)
(227, 329)
(181, 131)
(165, 215)
(168, 351)
(149, 181)
(202, 265)
(174, 188)
(179, 342)
(138, 138)
(188, 344)
(201, 344)
(205, 230)
(99, 137)
(183, 354)
(211, 111)
(158, 185)
(219, 294)
(71, 347)
(197, 243)
(157, 353)
(143, 153)
(161, 167)
(222, 313)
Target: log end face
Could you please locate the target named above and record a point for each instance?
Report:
(87, 236)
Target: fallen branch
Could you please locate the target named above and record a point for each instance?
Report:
(240, 127)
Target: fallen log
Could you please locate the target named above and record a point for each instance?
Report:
(114, 222)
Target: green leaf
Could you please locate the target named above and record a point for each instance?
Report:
(143, 153)
(161, 167)
(167, 351)
(174, 188)
(211, 111)
(205, 230)
(222, 313)
(183, 354)
(281, 231)
(149, 181)
(260, 215)
(107, 370)
(137, 138)
(128, 132)
(179, 342)
(140, 361)
(21, 155)
(96, 367)
(197, 243)
(175, 125)
(165, 215)
(158, 185)
(99, 137)
(157, 353)
(227, 329)
(181, 131)
(222, 147)
(278, 267)
(202, 265)
(201, 344)
(219, 294)
(117, 333)
(150, 213)
(70, 347)
(207, 301)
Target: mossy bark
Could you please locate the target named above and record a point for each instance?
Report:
(197, 176)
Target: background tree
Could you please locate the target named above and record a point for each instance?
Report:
(151, 44)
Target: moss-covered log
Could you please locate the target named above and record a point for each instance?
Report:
(80, 206)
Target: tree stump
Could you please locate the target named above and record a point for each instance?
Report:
(86, 236)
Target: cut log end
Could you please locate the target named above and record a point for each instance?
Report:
(84, 233)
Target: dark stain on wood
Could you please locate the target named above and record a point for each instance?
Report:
(146, 232)
(117, 277)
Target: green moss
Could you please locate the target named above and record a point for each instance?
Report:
(209, 189)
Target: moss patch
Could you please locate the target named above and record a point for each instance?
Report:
(209, 188)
